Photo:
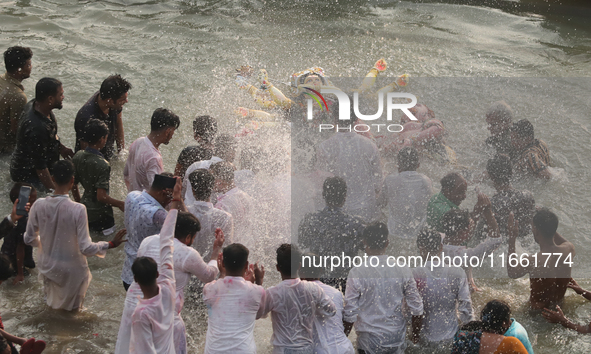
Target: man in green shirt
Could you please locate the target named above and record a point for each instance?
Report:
(93, 171)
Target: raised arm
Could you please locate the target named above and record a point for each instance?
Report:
(513, 229)
(352, 295)
(166, 268)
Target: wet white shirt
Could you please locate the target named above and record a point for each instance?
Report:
(233, 305)
(143, 163)
(356, 159)
(407, 195)
(294, 304)
(484, 248)
(58, 226)
(329, 332)
(210, 219)
(446, 298)
(152, 322)
(374, 302)
(187, 262)
(187, 189)
(241, 206)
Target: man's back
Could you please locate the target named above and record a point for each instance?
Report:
(93, 172)
(91, 110)
(241, 206)
(210, 219)
(329, 334)
(143, 163)
(12, 102)
(548, 283)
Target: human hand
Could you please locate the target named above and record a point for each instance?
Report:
(178, 187)
(554, 316)
(18, 279)
(575, 286)
(381, 65)
(13, 215)
(219, 238)
(118, 239)
(512, 227)
(259, 273)
(249, 275)
(221, 265)
(66, 152)
(482, 204)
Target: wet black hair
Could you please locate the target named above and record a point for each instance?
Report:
(499, 169)
(223, 171)
(235, 257)
(46, 87)
(408, 159)
(205, 127)
(454, 221)
(546, 222)
(16, 190)
(16, 57)
(288, 259)
(5, 268)
(186, 224)
(95, 130)
(376, 236)
(523, 129)
(450, 181)
(429, 240)
(145, 270)
(334, 191)
(62, 172)
(163, 118)
(494, 315)
(114, 87)
(202, 182)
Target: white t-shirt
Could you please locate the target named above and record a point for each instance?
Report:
(241, 206)
(143, 163)
(329, 332)
(210, 219)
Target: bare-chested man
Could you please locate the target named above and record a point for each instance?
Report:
(549, 274)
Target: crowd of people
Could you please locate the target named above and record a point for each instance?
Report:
(210, 219)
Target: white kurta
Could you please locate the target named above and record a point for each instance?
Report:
(356, 159)
(233, 305)
(187, 190)
(143, 163)
(59, 228)
(329, 333)
(187, 262)
(152, 322)
(241, 206)
(294, 304)
(210, 219)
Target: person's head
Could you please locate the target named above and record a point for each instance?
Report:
(159, 191)
(224, 147)
(421, 112)
(145, 271)
(223, 173)
(96, 133)
(186, 228)
(5, 268)
(334, 192)
(308, 271)
(375, 237)
(454, 187)
(429, 241)
(4, 347)
(164, 123)
(202, 182)
(62, 173)
(235, 259)
(50, 91)
(114, 90)
(522, 134)
(204, 129)
(408, 159)
(288, 260)
(496, 317)
(16, 189)
(544, 225)
(499, 170)
(457, 225)
(499, 118)
(17, 61)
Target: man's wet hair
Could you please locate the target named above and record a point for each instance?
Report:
(224, 147)
(500, 110)
(494, 315)
(62, 172)
(450, 181)
(429, 240)
(546, 222)
(454, 221)
(114, 87)
(523, 129)
(308, 270)
(205, 127)
(145, 271)
(5, 268)
(223, 171)
(334, 191)
(499, 169)
(16, 190)
(376, 236)
(94, 131)
(202, 182)
(235, 257)
(46, 87)
(408, 159)
(186, 224)
(16, 57)
(163, 118)
(288, 259)
(158, 184)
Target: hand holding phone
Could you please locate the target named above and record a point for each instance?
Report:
(23, 199)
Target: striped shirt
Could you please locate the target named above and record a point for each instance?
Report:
(532, 159)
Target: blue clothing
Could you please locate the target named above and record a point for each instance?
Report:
(516, 330)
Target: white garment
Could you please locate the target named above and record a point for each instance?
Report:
(187, 189)
(329, 333)
(59, 227)
(152, 322)
(407, 195)
(356, 159)
(187, 261)
(273, 214)
(241, 206)
(294, 304)
(374, 302)
(210, 219)
(446, 296)
(143, 163)
(233, 305)
(487, 246)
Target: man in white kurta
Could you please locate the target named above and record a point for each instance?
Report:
(143, 163)
(58, 226)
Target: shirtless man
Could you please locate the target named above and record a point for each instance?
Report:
(549, 275)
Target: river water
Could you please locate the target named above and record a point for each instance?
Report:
(180, 54)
